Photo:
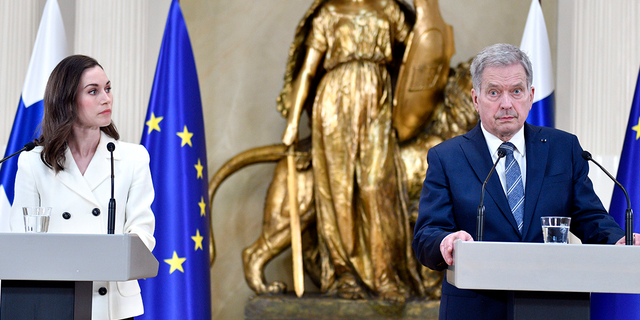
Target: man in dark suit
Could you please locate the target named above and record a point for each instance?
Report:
(543, 174)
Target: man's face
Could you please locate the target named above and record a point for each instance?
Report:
(504, 101)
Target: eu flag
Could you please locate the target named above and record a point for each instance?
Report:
(612, 306)
(175, 138)
(535, 43)
(50, 47)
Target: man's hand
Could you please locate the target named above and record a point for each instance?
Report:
(622, 241)
(446, 246)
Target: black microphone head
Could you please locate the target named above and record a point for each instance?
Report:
(29, 146)
(111, 146)
(501, 152)
(586, 155)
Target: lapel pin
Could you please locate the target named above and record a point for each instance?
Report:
(543, 140)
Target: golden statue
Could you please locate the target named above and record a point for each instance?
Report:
(357, 186)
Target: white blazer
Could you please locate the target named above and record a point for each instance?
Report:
(80, 205)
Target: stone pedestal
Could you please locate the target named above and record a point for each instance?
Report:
(316, 306)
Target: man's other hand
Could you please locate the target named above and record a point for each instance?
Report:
(622, 241)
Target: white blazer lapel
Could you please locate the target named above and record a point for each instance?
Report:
(73, 179)
(99, 168)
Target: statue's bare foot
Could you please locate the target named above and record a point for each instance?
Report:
(348, 288)
(276, 287)
(393, 296)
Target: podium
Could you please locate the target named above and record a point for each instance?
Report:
(548, 280)
(60, 268)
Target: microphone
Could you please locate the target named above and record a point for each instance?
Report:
(480, 216)
(112, 202)
(27, 147)
(628, 217)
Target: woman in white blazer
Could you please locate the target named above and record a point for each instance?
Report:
(70, 171)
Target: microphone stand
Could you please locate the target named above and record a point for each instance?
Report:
(112, 202)
(27, 147)
(628, 215)
(480, 211)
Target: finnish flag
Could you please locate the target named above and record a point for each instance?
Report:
(535, 43)
(50, 47)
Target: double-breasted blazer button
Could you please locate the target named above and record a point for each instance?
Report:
(96, 212)
(102, 291)
(66, 215)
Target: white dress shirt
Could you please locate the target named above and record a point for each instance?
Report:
(520, 154)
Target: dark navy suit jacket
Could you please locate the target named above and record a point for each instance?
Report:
(556, 185)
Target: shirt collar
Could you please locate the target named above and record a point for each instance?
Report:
(494, 142)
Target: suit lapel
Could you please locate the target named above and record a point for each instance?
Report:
(477, 153)
(537, 157)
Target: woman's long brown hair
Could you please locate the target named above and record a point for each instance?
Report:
(61, 112)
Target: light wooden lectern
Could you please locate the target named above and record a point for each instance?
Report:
(550, 281)
(63, 266)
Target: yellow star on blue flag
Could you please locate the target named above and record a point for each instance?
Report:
(153, 123)
(185, 135)
(203, 206)
(175, 262)
(199, 168)
(198, 240)
(636, 128)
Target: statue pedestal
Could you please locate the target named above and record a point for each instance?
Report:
(316, 306)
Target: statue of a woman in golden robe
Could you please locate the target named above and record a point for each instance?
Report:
(357, 186)
(362, 222)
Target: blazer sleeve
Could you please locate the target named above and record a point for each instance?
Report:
(139, 216)
(435, 218)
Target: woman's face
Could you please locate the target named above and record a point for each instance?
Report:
(94, 99)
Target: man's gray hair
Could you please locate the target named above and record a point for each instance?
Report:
(499, 55)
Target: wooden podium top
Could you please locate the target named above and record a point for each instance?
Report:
(545, 267)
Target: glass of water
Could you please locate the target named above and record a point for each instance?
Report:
(555, 229)
(36, 219)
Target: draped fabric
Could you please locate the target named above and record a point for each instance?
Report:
(362, 227)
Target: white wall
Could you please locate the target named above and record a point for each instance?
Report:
(598, 63)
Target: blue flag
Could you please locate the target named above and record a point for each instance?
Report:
(535, 43)
(50, 47)
(175, 138)
(613, 306)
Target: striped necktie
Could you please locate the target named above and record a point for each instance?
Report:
(515, 188)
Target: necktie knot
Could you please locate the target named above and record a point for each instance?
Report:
(508, 147)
